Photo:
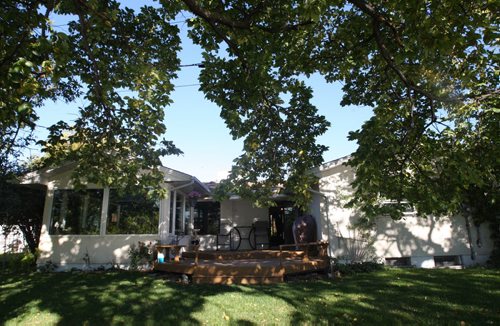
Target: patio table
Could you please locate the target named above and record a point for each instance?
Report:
(176, 249)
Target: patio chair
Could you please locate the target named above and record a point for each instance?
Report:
(223, 238)
(261, 234)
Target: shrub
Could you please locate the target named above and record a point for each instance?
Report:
(355, 268)
(48, 267)
(141, 254)
(24, 262)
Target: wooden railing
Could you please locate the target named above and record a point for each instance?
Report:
(322, 247)
(196, 249)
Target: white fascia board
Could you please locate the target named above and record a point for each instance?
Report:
(44, 175)
(334, 163)
(202, 185)
(317, 171)
(171, 175)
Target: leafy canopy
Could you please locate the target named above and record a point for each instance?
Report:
(428, 68)
(121, 61)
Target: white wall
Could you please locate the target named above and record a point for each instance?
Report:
(416, 237)
(68, 251)
(240, 213)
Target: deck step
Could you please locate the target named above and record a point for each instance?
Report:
(228, 280)
(243, 267)
(250, 254)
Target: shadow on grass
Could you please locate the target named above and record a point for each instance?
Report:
(386, 297)
(107, 298)
(397, 297)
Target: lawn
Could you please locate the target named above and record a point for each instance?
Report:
(388, 297)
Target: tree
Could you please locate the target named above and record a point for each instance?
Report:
(22, 206)
(122, 62)
(428, 68)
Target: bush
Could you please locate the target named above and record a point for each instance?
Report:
(355, 268)
(48, 267)
(141, 254)
(24, 262)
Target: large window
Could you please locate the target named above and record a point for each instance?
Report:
(207, 217)
(444, 261)
(179, 218)
(76, 212)
(132, 214)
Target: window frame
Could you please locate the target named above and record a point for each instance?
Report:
(108, 216)
(51, 224)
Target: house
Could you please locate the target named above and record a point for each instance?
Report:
(104, 224)
(412, 241)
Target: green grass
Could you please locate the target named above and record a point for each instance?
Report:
(388, 297)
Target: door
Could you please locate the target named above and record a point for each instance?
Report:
(281, 218)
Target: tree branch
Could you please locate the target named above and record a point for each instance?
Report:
(390, 62)
(247, 23)
(10, 145)
(484, 96)
(96, 74)
(216, 17)
(370, 10)
(377, 20)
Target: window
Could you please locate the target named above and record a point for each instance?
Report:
(132, 214)
(206, 217)
(181, 211)
(398, 261)
(179, 223)
(76, 212)
(443, 261)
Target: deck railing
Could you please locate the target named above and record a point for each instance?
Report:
(322, 250)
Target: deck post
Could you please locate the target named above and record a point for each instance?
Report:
(306, 253)
(280, 257)
(196, 247)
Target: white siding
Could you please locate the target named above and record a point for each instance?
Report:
(416, 237)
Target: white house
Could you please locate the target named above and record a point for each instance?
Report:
(414, 240)
(104, 224)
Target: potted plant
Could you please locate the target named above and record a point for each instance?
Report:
(193, 197)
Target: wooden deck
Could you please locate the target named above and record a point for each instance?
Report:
(244, 267)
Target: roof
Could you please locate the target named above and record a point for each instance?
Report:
(331, 164)
(176, 178)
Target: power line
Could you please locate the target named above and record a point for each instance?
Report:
(171, 23)
(199, 65)
(188, 85)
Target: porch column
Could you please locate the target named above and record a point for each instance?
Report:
(184, 230)
(164, 219)
(174, 212)
(190, 222)
(104, 211)
(47, 211)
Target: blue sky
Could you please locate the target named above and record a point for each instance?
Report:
(194, 125)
